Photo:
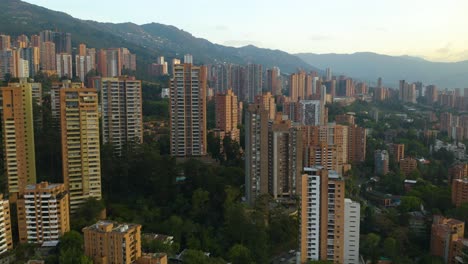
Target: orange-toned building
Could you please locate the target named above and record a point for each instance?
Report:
(447, 238)
(227, 113)
(268, 102)
(112, 243)
(357, 142)
(48, 60)
(381, 94)
(300, 86)
(81, 161)
(18, 137)
(334, 135)
(408, 165)
(458, 171)
(152, 258)
(188, 111)
(398, 151)
(322, 201)
(459, 191)
(43, 213)
(345, 119)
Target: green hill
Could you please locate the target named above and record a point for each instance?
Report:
(147, 41)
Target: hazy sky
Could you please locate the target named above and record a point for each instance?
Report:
(435, 30)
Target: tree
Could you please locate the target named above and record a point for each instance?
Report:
(198, 257)
(370, 246)
(409, 203)
(200, 203)
(239, 254)
(88, 214)
(71, 249)
(390, 247)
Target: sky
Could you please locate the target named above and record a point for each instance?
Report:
(432, 29)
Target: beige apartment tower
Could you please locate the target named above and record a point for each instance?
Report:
(268, 102)
(18, 137)
(43, 213)
(227, 114)
(188, 110)
(121, 112)
(322, 216)
(111, 243)
(81, 164)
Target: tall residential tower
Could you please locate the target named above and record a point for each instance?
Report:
(18, 137)
(188, 110)
(81, 162)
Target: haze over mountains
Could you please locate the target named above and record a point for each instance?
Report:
(151, 40)
(369, 66)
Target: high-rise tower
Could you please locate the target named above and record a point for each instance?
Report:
(18, 137)
(81, 161)
(188, 111)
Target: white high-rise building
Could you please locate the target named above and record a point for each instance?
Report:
(351, 231)
(64, 65)
(328, 74)
(311, 113)
(23, 68)
(83, 64)
(188, 59)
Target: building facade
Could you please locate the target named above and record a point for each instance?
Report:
(18, 137)
(43, 213)
(227, 112)
(112, 243)
(256, 152)
(188, 111)
(322, 216)
(351, 231)
(6, 238)
(284, 159)
(408, 165)
(81, 161)
(121, 112)
(459, 191)
(381, 162)
(311, 113)
(447, 239)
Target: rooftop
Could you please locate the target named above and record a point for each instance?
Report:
(105, 226)
(43, 186)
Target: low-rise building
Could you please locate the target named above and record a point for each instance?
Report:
(43, 213)
(447, 239)
(459, 191)
(408, 165)
(109, 242)
(152, 258)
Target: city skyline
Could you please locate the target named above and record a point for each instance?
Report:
(397, 28)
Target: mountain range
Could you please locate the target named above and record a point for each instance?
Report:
(369, 66)
(147, 41)
(151, 40)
